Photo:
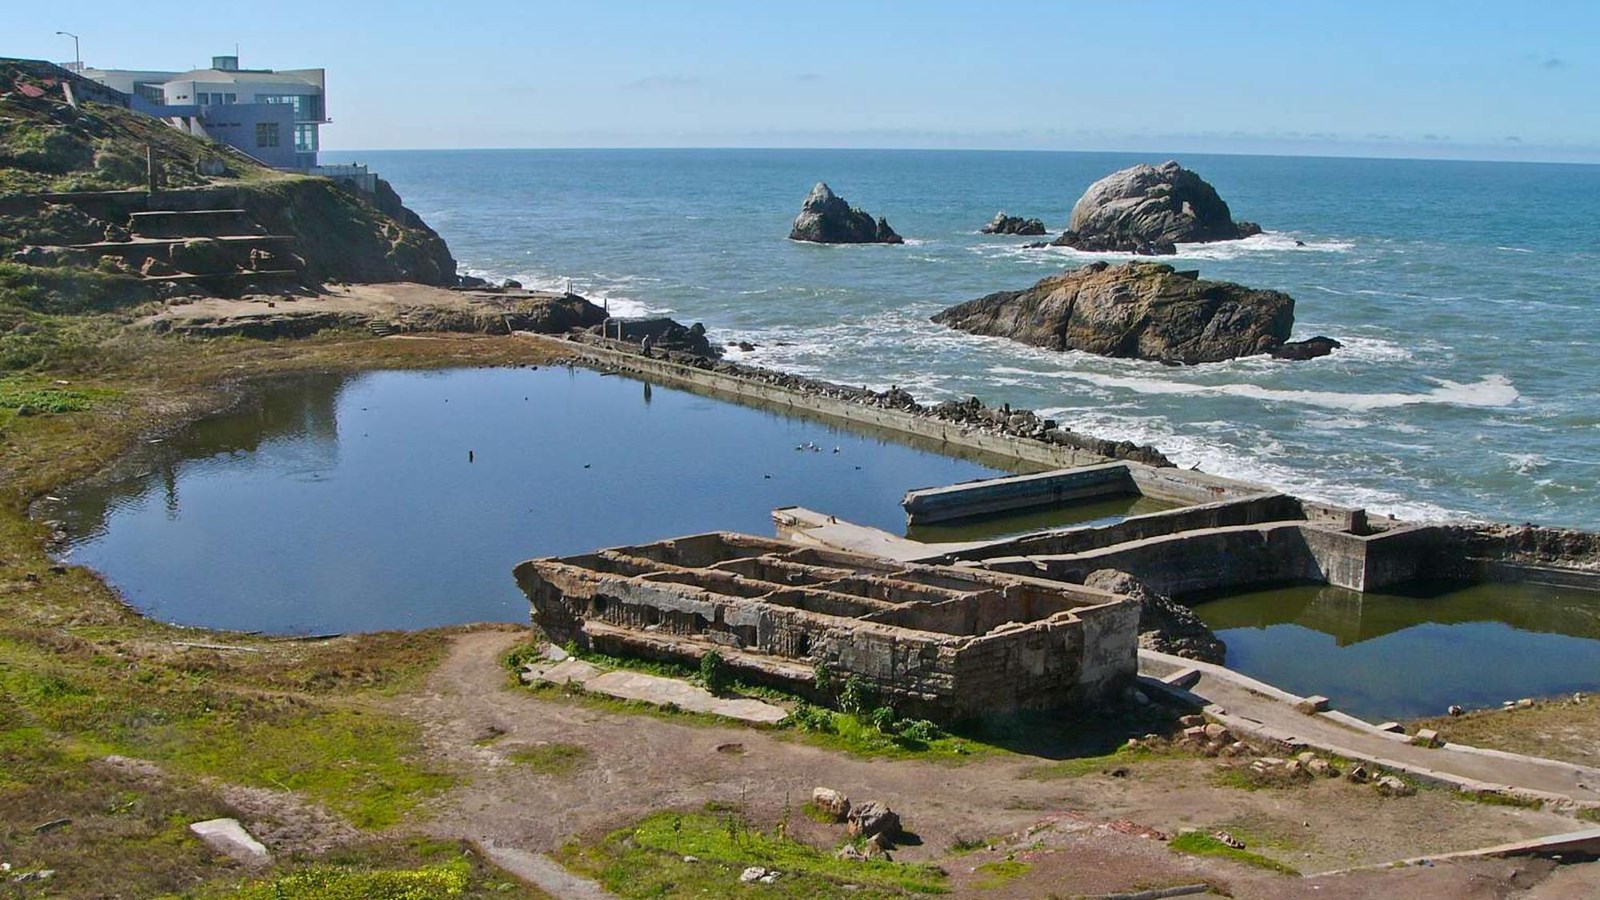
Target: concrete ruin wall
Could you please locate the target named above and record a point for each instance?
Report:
(976, 643)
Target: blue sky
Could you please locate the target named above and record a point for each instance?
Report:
(1439, 79)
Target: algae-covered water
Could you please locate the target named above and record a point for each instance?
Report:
(403, 499)
(1399, 655)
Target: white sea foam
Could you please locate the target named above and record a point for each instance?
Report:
(1266, 242)
(1490, 391)
(1516, 249)
(611, 292)
(1268, 462)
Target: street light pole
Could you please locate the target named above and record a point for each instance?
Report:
(76, 53)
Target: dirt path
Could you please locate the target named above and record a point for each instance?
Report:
(473, 716)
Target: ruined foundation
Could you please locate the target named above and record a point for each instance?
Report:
(938, 642)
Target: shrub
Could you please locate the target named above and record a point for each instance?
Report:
(811, 718)
(919, 730)
(883, 719)
(855, 697)
(715, 673)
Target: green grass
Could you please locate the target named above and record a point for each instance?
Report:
(1590, 814)
(1495, 798)
(646, 860)
(1198, 843)
(816, 813)
(552, 758)
(1000, 873)
(359, 764)
(410, 869)
(33, 396)
(338, 883)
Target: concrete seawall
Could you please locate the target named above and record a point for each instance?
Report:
(994, 447)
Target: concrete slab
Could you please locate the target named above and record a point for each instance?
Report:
(544, 873)
(661, 691)
(805, 526)
(565, 671)
(228, 837)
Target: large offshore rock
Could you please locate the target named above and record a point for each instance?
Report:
(826, 218)
(1150, 209)
(1139, 310)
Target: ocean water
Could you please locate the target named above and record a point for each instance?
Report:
(1467, 296)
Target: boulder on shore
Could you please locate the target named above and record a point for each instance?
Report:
(1149, 210)
(827, 218)
(1139, 310)
(1004, 224)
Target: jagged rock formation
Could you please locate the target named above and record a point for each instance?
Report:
(1138, 310)
(826, 218)
(664, 334)
(1148, 210)
(1164, 624)
(1004, 224)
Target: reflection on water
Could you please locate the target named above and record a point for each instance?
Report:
(403, 499)
(1399, 655)
(1011, 524)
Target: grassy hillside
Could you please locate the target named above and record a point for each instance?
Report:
(48, 146)
(59, 307)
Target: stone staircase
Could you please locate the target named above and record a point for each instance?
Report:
(221, 248)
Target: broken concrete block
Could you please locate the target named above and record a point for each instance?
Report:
(1427, 737)
(1359, 774)
(1322, 767)
(1215, 732)
(1392, 728)
(1391, 786)
(831, 802)
(752, 874)
(228, 837)
(1313, 704)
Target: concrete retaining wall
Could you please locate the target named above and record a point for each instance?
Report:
(1250, 511)
(993, 495)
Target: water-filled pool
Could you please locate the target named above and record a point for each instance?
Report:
(1389, 656)
(403, 499)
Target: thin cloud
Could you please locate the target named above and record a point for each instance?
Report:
(808, 76)
(1553, 63)
(662, 83)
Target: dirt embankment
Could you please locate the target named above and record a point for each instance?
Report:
(381, 308)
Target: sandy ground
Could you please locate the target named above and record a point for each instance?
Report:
(1085, 831)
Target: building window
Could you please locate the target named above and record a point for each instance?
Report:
(305, 138)
(203, 99)
(230, 98)
(307, 107)
(266, 134)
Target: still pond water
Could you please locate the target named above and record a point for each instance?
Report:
(403, 499)
(1390, 656)
(351, 504)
